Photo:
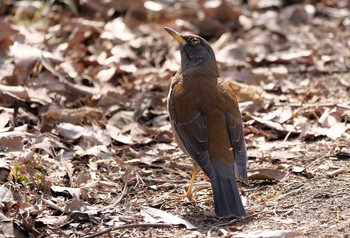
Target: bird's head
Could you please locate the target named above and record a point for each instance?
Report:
(197, 56)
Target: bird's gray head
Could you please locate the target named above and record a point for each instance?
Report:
(197, 56)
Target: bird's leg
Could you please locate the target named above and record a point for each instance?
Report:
(189, 193)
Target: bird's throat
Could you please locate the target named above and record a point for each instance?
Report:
(203, 70)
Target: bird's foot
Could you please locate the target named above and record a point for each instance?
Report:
(188, 195)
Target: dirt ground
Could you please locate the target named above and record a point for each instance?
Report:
(86, 146)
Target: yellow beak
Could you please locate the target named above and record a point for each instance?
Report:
(176, 35)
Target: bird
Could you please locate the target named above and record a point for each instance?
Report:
(207, 123)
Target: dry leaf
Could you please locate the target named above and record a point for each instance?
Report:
(266, 174)
(154, 215)
(65, 191)
(117, 135)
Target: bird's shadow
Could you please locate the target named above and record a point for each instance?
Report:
(208, 223)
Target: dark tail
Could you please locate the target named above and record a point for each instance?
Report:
(226, 197)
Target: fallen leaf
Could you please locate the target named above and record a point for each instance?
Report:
(65, 191)
(4, 171)
(286, 57)
(117, 135)
(297, 169)
(266, 174)
(113, 28)
(10, 228)
(275, 125)
(5, 117)
(51, 220)
(5, 195)
(154, 215)
(70, 131)
(13, 140)
(6, 38)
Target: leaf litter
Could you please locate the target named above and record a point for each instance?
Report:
(85, 143)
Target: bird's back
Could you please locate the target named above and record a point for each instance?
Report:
(207, 123)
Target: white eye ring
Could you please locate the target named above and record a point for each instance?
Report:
(195, 41)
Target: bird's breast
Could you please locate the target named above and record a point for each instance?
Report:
(187, 97)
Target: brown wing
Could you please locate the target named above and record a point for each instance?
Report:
(194, 138)
(235, 128)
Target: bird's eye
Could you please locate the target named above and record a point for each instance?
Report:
(195, 41)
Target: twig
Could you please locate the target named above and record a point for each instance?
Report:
(290, 211)
(181, 166)
(129, 227)
(117, 200)
(325, 104)
(282, 212)
(287, 136)
(255, 189)
(53, 205)
(231, 222)
(335, 172)
(152, 180)
(81, 89)
(294, 191)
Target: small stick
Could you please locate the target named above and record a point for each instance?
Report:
(117, 200)
(129, 226)
(342, 106)
(152, 180)
(231, 222)
(335, 172)
(53, 205)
